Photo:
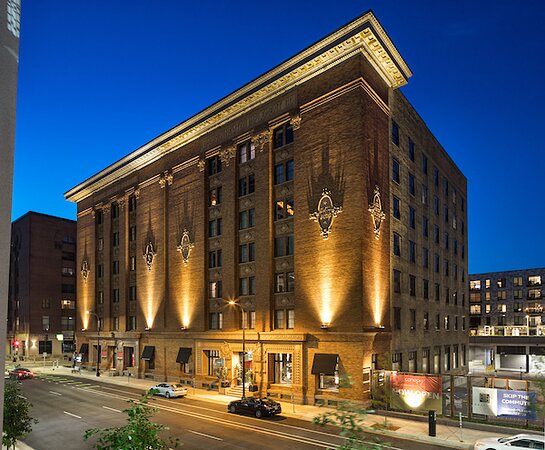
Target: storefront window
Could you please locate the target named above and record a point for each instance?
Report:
(283, 368)
(330, 382)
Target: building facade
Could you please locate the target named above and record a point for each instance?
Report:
(283, 198)
(42, 287)
(507, 321)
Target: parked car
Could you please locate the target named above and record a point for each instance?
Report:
(169, 390)
(20, 373)
(511, 442)
(258, 407)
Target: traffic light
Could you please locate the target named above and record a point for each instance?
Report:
(15, 345)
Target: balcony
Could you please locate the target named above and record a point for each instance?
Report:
(510, 330)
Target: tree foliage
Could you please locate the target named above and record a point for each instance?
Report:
(17, 420)
(140, 433)
(349, 418)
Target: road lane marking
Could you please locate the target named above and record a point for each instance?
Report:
(206, 435)
(55, 393)
(272, 432)
(111, 409)
(73, 415)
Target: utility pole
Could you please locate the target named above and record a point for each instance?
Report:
(10, 13)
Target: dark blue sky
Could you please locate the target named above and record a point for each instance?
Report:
(99, 79)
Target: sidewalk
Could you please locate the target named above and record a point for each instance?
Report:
(404, 428)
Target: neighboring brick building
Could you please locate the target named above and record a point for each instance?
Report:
(42, 286)
(279, 196)
(507, 320)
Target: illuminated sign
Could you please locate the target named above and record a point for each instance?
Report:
(504, 403)
(416, 393)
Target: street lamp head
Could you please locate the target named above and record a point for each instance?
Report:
(232, 302)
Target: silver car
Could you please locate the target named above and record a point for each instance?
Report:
(169, 390)
(511, 442)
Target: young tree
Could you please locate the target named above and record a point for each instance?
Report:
(17, 421)
(138, 434)
(349, 418)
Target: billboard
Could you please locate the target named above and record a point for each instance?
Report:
(416, 393)
(504, 403)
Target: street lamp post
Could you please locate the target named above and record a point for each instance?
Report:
(98, 341)
(233, 303)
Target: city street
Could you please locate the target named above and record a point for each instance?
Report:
(67, 406)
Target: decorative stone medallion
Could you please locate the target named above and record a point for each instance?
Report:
(149, 255)
(201, 164)
(325, 212)
(185, 246)
(377, 214)
(85, 270)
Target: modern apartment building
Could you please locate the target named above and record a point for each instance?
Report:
(42, 287)
(507, 320)
(317, 200)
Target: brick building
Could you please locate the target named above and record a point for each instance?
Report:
(507, 320)
(302, 197)
(42, 286)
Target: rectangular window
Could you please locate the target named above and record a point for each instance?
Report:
(426, 321)
(445, 210)
(246, 152)
(67, 272)
(446, 240)
(437, 322)
(68, 304)
(412, 252)
(132, 203)
(446, 267)
(68, 288)
(411, 150)
(397, 318)
(437, 291)
(214, 259)
(424, 194)
(67, 323)
(100, 297)
(115, 238)
(279, 320)
(246, 286)
(397, 244)
(215, 196)
(412, 189)
(282, 135)
(534, 280)
(397, 209)
(395, 133)
(424, 164)
(425, 226)
(115, 323)
(533, 294)
(115, 295)
(132, 293)
(45, 303)
(214, 165)
(284, 282)
(475, 285)
(214, 289)
(447, 295)
(132, 233)
(425, 289)
(412, 217)
(413, 319)
(412, 285)
(100, 244)
(215, 321)
(436, 263)
(115, 267)
(397, 281)
(247, 320)
(131, 323)
(283, 246)
(214, 227)
(284, 209)
(517, 294)
(283, 368)
(436, 176)
(395, 170)
(45, 347)
(132, 263)
(100, 271)
(283, 172)
(290, 324)
(115, 210)
(246, 219)
(45, 323)
(68, 256)
(474, 309)
(436, 234)
(99, 217)
(425, 257)
(436, 205)
(246, 185)
(501, 282)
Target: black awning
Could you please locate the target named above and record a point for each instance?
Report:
(84, 349)
(148, 352)
(183, 355)
(324, 363)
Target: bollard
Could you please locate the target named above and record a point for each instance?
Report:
(432, 423)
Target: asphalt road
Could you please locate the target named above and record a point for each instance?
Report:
(66, 407)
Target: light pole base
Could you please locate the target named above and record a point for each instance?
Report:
(98, 373)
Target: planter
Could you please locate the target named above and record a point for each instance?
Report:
(252, 388)
(225, 384)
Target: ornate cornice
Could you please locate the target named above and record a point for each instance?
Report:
(363, 35)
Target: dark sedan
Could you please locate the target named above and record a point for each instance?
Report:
(21, 373)
(258, 407)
